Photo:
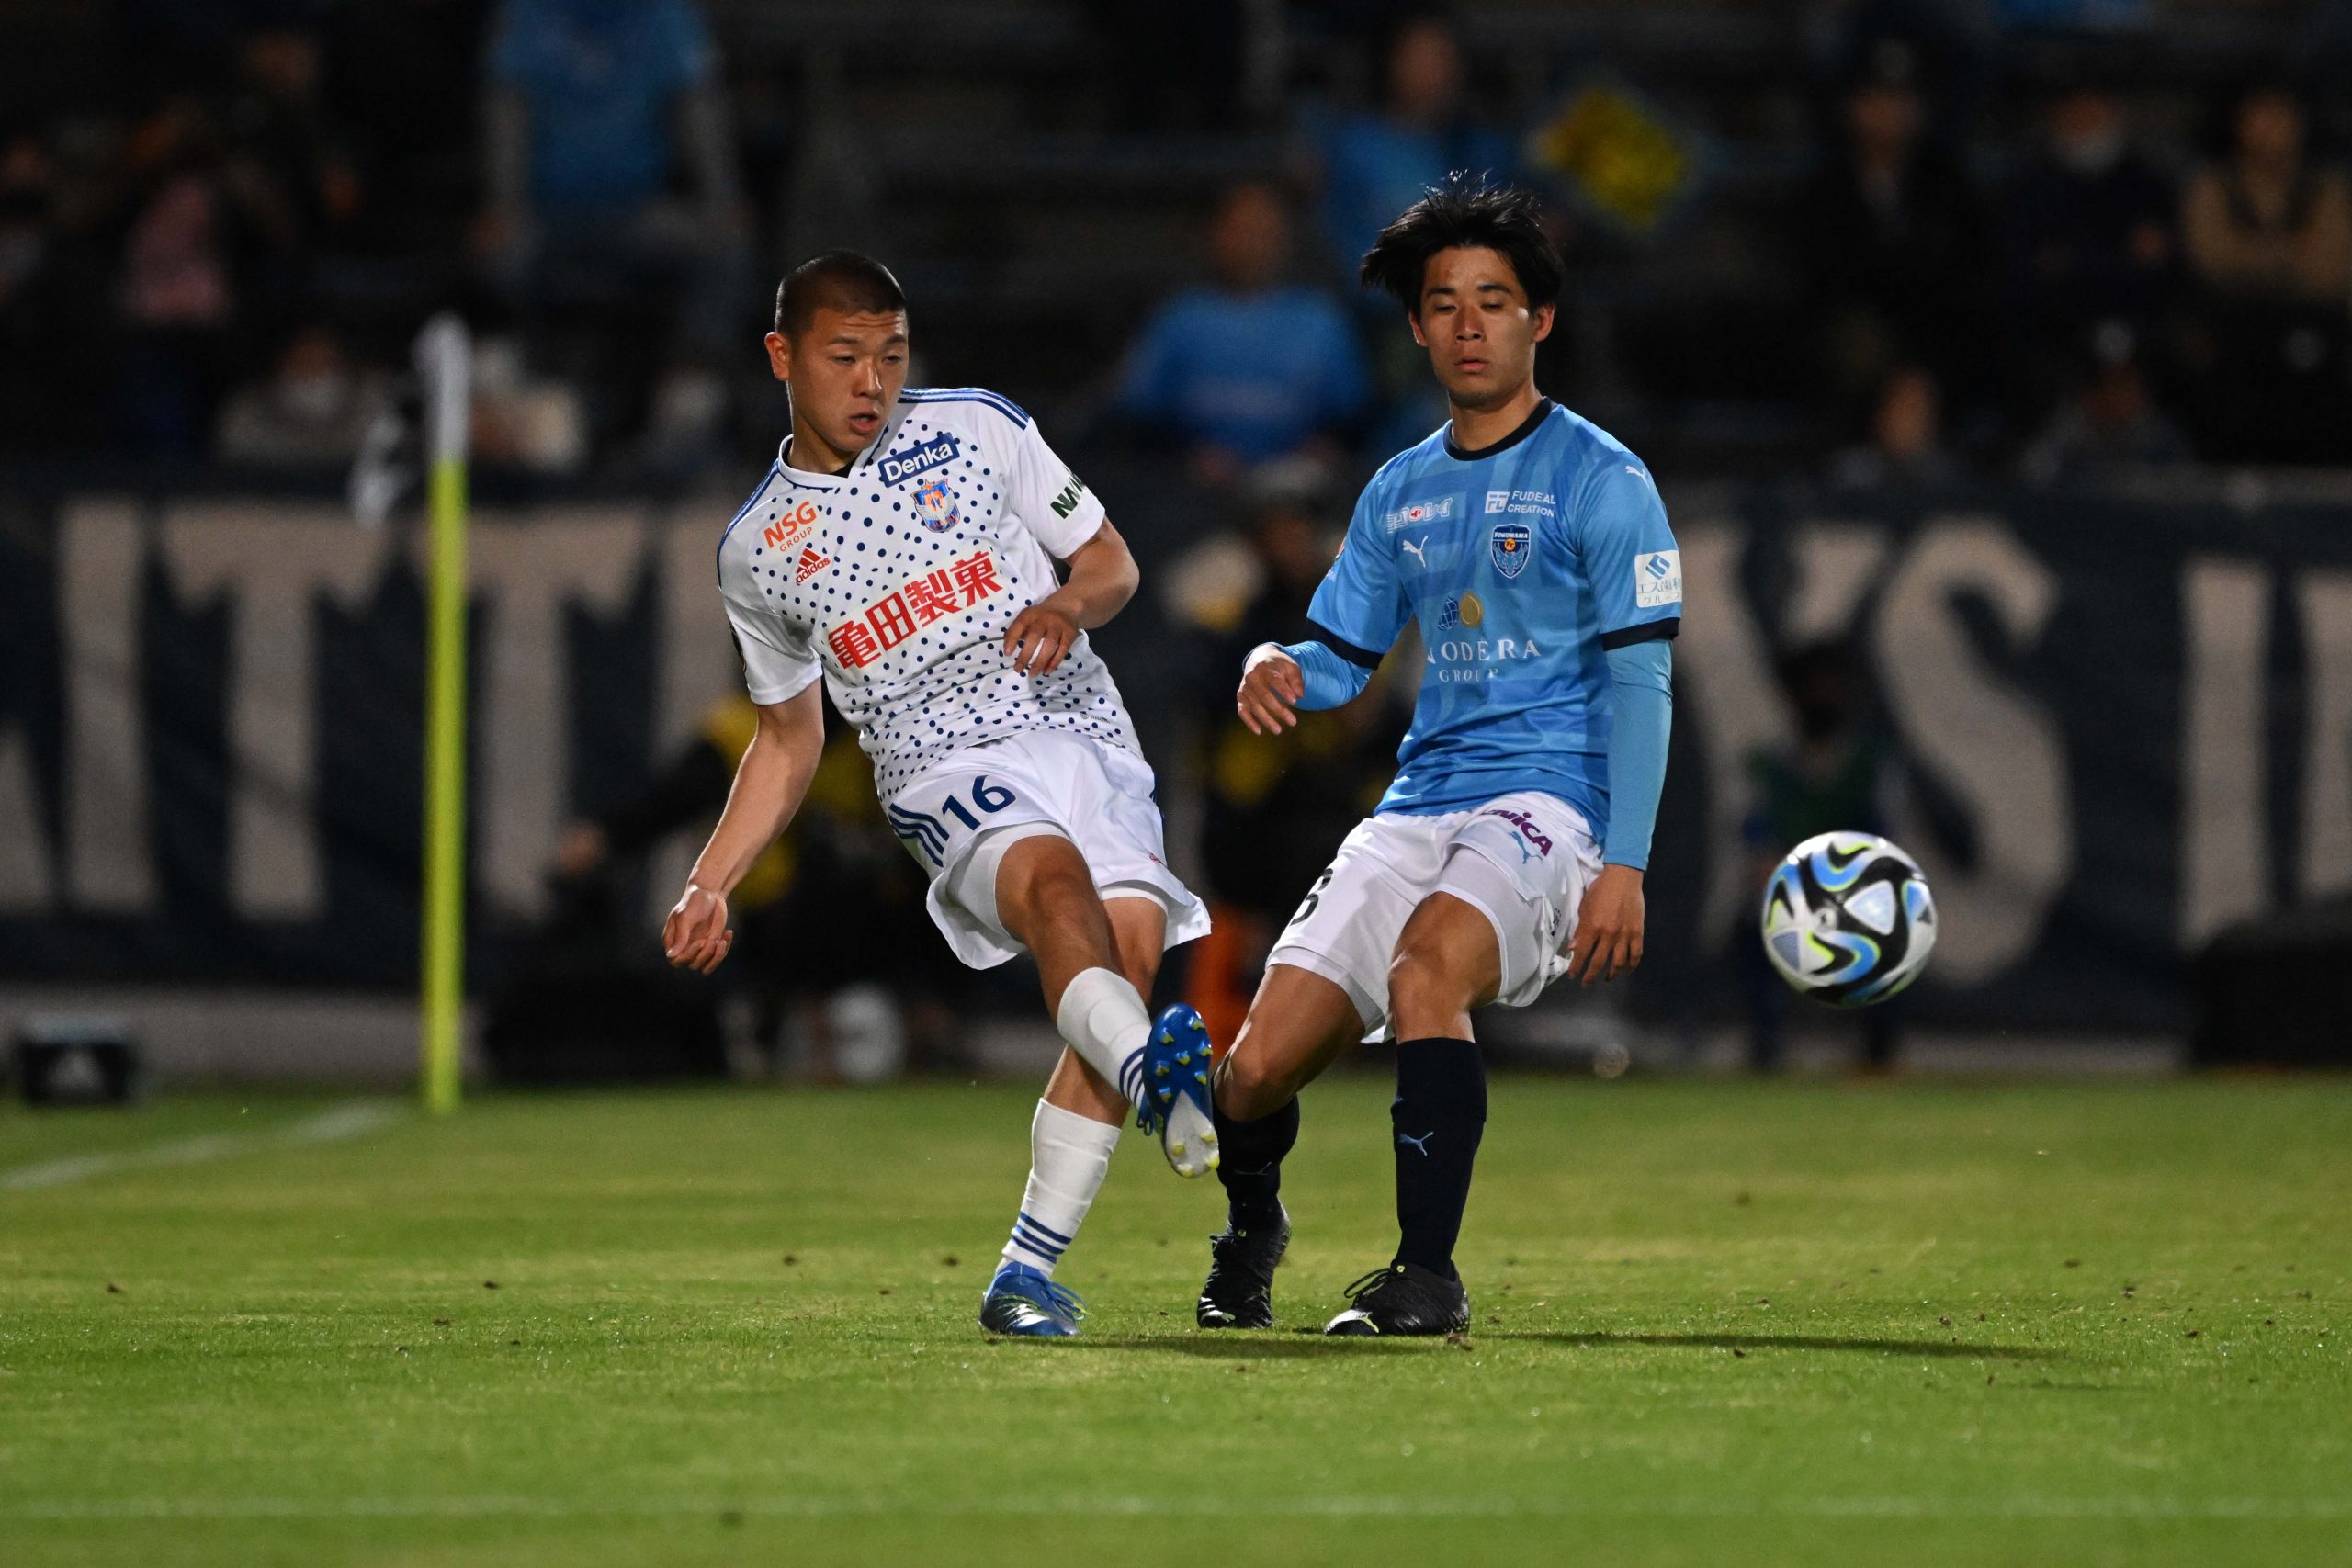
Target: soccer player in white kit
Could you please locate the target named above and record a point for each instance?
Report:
(902, 545)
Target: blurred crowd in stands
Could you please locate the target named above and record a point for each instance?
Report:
(2009, 241)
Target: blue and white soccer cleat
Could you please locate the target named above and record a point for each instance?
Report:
(1170, 1090)
(1024, 1303)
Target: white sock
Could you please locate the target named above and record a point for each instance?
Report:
(1068, 1156)
(1105, 1021)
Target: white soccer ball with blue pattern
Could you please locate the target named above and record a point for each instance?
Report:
(1848, 919)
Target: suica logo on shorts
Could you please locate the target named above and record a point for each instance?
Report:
(902, 465)
(1525, 824)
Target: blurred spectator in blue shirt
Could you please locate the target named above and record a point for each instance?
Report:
(1247, 368)
(1377, 164)
(595, 109)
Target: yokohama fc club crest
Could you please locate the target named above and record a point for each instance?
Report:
(1509, 549)
(935, 504)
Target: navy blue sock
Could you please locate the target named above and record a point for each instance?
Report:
(1250, 1163)
(1440, 1115)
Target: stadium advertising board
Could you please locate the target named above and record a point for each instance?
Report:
(2121, 725)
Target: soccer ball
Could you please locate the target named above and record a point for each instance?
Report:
(1848, 919)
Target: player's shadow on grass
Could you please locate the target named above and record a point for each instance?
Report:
(1934, 1347)
(1304, 1343)
(1280, 1345)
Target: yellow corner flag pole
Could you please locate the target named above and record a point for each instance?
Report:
(442, 354)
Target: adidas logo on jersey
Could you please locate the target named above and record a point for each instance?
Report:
(809, 564)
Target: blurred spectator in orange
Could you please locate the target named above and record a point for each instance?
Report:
(596, 107)
(313, 411)
(2087, 238)
(53, 368)
(2270, 235)
(1247, 368)
(1896, 243)
(2110, 419)
(1906, 444)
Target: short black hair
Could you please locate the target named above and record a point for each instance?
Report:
(835, 280)
(1465, 213)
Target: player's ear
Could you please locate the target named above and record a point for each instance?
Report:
(1545, 316)
(779, 356)
(1413, 320)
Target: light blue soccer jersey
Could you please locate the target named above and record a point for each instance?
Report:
(1522, 564)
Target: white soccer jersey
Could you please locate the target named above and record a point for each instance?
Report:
(897, 579)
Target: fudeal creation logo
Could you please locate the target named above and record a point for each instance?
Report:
(935, 505)
(920, 459)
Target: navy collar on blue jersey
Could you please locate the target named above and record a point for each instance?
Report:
(1527, 428)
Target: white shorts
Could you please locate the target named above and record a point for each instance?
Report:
(958, 816)
(1523, 860)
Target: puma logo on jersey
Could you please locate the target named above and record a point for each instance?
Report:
(1417, 551)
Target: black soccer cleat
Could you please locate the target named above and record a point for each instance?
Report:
(1404, 1299)
(1239, 1292)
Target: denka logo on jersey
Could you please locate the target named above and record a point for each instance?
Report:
(931, 597)
(900, 466)
(1419, 512)
(809, 564)
(788, 530)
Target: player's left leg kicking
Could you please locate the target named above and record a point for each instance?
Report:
(1097, 958)
(1050, 844)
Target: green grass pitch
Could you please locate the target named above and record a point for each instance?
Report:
(1795, 1323)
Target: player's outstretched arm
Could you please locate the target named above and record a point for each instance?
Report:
(1102, 578)
(770, 784)
(1278, 678)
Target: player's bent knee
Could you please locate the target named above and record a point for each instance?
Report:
(1422, 984)
(1254, 1081)
(1043, 877)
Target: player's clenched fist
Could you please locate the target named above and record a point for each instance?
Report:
(696, 936)
(1271, 688)
(1039, 637)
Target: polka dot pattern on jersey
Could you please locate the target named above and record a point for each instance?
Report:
(831, 566)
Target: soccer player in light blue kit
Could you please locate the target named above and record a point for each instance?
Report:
(1532, 551)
